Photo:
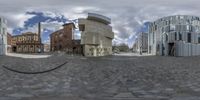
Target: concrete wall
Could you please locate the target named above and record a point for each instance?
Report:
(96, 38)
(3, 36)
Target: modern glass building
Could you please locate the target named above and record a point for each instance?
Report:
(3, 36)
(165, 34)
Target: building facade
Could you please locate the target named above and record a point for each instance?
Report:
(165, 35)
(9, 40)
(27, 43)
(3, 36)
(46, 47)
(141, 43)
(96, 35)
(63, 40)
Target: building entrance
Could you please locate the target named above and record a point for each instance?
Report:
(14, 49)
(171, 49)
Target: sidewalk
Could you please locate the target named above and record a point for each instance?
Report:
(27, 55)
(131, 54)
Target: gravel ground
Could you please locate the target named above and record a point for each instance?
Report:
(102, 78)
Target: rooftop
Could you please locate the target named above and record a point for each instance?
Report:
(100, 18)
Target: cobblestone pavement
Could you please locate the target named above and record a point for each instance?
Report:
(103, 78)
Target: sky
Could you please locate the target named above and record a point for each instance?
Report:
(129, 17)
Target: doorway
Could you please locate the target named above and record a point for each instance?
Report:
(171, 49)
(14, 49)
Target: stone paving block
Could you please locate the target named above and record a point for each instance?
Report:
(106, 78)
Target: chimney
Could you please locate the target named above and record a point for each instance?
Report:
(39, 31)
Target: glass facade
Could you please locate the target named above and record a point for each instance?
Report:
(168, 30)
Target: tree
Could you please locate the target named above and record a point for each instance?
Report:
(123, 47)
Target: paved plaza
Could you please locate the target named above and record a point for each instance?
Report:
(103, 78)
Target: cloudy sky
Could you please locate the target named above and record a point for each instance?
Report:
(128, 16)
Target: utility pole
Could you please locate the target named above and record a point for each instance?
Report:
(2, 43)
(39, 31)
(141, 44)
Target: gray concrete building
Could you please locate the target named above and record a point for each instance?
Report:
(177, 35)
(96, 35)
(3, 36)
(141, 43)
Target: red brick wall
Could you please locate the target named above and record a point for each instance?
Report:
(62, 39)
(9, 38)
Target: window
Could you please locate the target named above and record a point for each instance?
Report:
(189, 37)
(91, 49)
(196, 29)
(187, 27)
(166, 37)
(82, 27)
(172, 27)
(175, 36)
(153, 37)
(162, 29)
(188, 21)
(180, 36)
(158, 47)
(199, 40)
(181, 17)
(155, 27)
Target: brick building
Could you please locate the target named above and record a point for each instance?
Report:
(63, 40)
(46, 47)
(27, 43)
(9, 40)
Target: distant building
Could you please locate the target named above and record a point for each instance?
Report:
(3, 36)
(63, 40)
(175, 36)
(96, 35)
(46, 48)
(9, 41)
(141, 43)
(27, 42)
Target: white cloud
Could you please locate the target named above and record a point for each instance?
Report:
(21, 18)
(127, 15)
(79, 12)
(10, 30)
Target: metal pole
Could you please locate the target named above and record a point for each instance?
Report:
(2, 43)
